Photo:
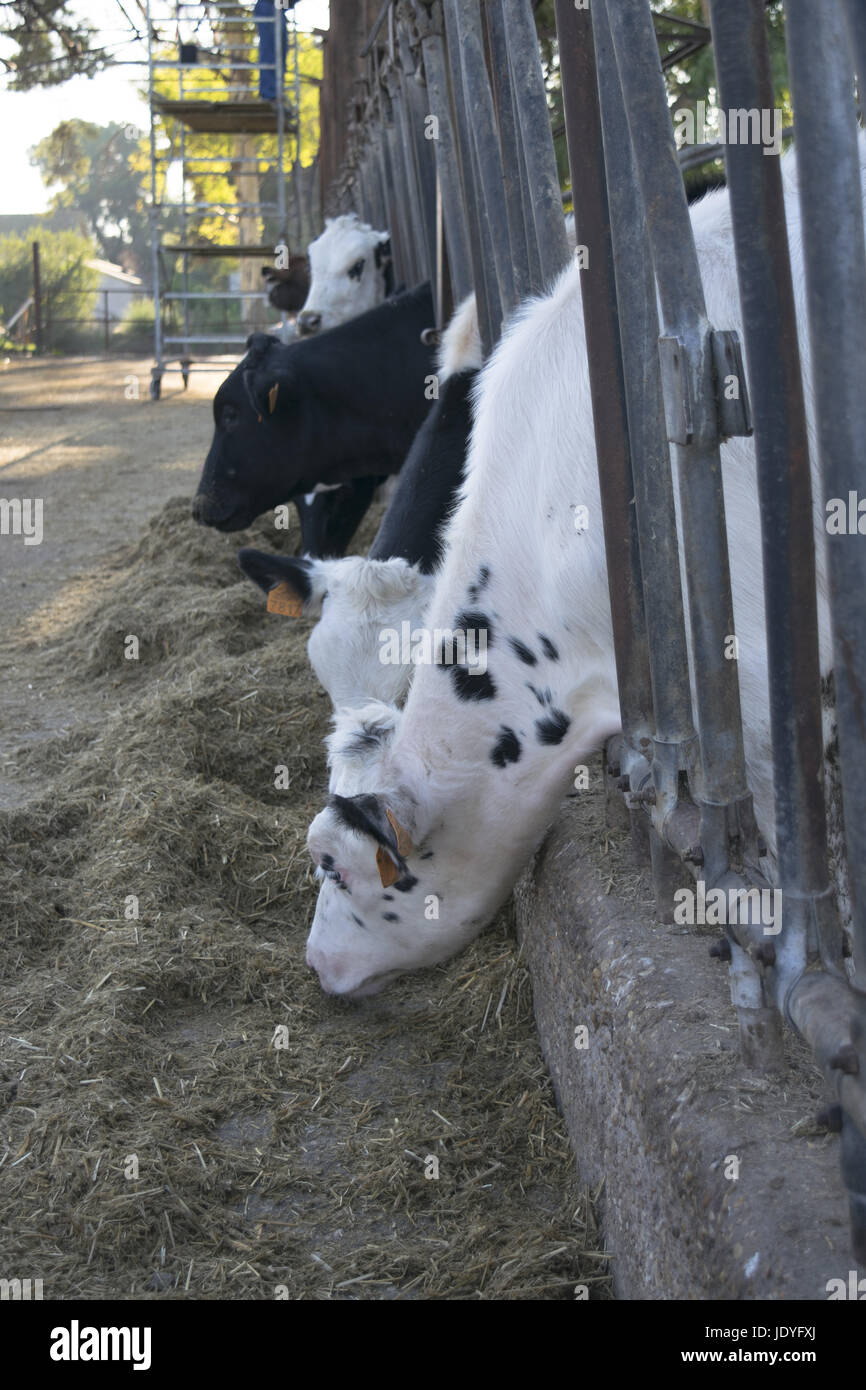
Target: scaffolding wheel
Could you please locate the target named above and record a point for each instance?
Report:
(155, 385)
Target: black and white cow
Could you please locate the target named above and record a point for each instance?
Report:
(436, 808)
(350, 272)
(393, 585)
(317, 413)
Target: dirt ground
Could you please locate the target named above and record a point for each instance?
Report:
(183, 1113)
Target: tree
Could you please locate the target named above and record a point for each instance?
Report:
(101, 175)
(50, 44)
(68, 283)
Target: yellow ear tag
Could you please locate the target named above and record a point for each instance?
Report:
(388, 871)
(272, 396)
(282, 599)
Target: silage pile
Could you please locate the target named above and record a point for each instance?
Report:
(182, 1112)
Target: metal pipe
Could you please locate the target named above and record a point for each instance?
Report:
(456, 235)
(483, 274)
(510, 139)
(533, 124)
(688, 379)
(464, 23)
(831, 208)
(784, 489)
(598, 289)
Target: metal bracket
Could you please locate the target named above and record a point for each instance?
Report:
(676, 392)
(735, 414)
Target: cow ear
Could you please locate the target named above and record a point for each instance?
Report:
(385, 261)
(370, 815)
(286, 579)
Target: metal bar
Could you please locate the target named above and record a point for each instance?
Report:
(373, 34)
(674, 740)
(533, 123)
(456, 235)
(154, 204)
(598, 289)
(785, 492)
(831, 209)
(520, 228)
(483, 274)
(482, 162)
(37, 300)
(690, 391)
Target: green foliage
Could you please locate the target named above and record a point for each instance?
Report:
(68, 283)
(101, 175)
(49, 44)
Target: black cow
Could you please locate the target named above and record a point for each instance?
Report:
(324, 410)
(427, 487)
(288, 288)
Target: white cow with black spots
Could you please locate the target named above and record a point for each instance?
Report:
(436, 809)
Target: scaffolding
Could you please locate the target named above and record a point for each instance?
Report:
(225, 105)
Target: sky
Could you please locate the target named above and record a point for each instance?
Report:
(25, 117)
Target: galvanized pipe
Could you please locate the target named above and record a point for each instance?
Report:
(483, 273)
(692, 417)
(464, 30)
(456, 235)
(831, 208)
(510, 140)
(784, 489)
(598, 288)
(533, 125)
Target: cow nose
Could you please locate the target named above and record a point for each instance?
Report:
(308, 322)
(206, 511)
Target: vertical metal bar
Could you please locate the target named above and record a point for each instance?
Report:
(154, 207)
(421, 157)
(464, 29)
(37, 299)
(784, 488)
(674, 739)
(483, 274)
(831, 208)
(598, 289)
(510, 139)
(456, 235)
(534, 125)
(692, 377)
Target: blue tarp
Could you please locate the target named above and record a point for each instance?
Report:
(264, 9)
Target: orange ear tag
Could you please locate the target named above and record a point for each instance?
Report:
(404, 842)
(272, 396)
(388, 871)
(282, 599)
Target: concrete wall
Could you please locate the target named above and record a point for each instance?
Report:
(658, 1104)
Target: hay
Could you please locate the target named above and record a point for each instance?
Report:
(147, 1044)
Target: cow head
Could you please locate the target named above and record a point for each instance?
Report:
(350, 272)
(355, 601)
(248, 468)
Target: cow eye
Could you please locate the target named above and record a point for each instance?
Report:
(356, 271)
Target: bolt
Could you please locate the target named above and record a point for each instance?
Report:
(623, 784)
(762, 847)
(847, 948)
(721, 950)
(694, 855)
(765, 953)
(613, 770)
(646, 795)
(830, 1118)
(846, 1060)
